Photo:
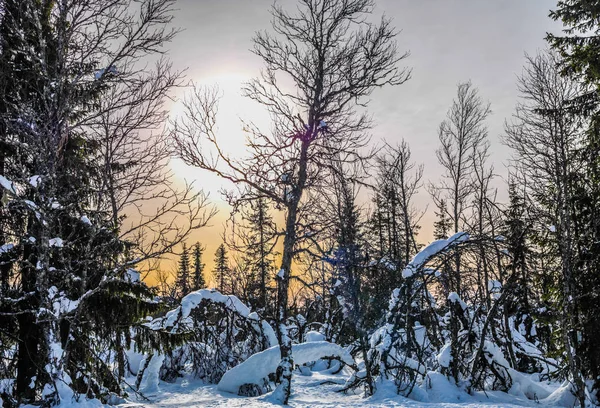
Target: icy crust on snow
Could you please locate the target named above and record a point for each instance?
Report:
(430, 250)
(174, 318)
(258, 366)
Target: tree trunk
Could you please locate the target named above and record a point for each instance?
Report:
(284, 371)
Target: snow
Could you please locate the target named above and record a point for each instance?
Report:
(321, 390)
(56, 242)
(7, 184)
(6, 248)
(133, 275)
(60, 303)
(431, 250)
(193, 299)
(445, 357)
(111, 70)
(494, 286)
(260, 365)
(454, 298)
(85, 220)
(314, 336)
(35, 181)
(150, 380)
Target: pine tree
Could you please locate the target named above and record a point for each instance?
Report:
(443, 225)
(183, 280)
(198, 281)
(348, 260)
(221, 269)
(259, 242)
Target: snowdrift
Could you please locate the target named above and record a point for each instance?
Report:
(258, 367)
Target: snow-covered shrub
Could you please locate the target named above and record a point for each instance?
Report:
(220, 332)
(460, 331)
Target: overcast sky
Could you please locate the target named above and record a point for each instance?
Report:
(449, 41)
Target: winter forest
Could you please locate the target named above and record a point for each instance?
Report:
(324, 290)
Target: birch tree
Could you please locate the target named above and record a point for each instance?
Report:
(322, 60)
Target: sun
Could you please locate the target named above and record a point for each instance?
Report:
(233, 108)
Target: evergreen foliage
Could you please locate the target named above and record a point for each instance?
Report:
(221, 269)
(198, 281)
(183, 281)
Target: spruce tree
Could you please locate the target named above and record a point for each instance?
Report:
(443, 225)
(183, 280)
(259, 242)
(221, 269)
(198, 281)
(68, 297)
(579, 46)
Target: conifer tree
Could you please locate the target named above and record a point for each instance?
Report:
(183, 280)
(221, 269)
(258, 241)
(579, 47)
(198, 281)
(443, 224)
(68, 295)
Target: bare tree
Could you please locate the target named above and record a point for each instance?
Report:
(334, 58)
(545, 135)
(462, 135)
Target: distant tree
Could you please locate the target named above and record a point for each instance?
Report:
(198, 281)
(462, 135)
(221, 269)
(183, 280)
(348, 259)
(443, 224)
(255, 234)
(394, 223)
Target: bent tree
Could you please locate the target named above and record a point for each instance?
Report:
(322, 61)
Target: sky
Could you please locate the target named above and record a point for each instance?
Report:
(450, 41)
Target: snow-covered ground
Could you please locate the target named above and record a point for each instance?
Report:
(309, 391)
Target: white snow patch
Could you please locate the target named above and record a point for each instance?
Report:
(7, 184)
(133, 275)
(445, 356)
(56, 242)
(35, 181)
(314, 336)
(430, 250)
(260, 365)
(454, 298)
(151, 377)
(6, 248)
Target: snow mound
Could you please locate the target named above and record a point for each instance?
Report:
(189, 302)
(260, 365)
